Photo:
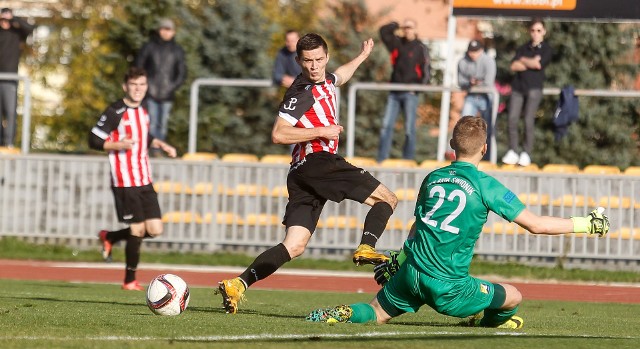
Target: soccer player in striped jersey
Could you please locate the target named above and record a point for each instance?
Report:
(123, 131)
(452, 206)
(308, 119)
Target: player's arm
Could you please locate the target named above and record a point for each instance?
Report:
(593, 223)
(100, 134)
(285, 133)
(157, 143)
(345, 72)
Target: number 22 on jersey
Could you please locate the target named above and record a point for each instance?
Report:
(441, 195)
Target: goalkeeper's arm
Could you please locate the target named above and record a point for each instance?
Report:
(593, 223)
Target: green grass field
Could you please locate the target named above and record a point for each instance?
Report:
(37, 314)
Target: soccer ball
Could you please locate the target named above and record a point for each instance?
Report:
(167, 294)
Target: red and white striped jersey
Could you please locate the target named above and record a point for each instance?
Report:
(310, 105)
(129, 168)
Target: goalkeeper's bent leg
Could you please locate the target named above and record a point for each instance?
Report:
(362, 313)
(495, 315)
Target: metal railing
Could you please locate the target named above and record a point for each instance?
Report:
(26, 109)
(211, 205)
(194, 100)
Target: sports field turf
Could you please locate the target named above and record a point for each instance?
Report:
(35, 314)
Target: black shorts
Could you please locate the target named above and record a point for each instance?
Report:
(320, 177)
(136, 204)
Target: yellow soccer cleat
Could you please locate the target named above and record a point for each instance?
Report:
(232, 292)
(340, 313)
(514, 323)
(366, 254)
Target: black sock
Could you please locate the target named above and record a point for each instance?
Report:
(132, 257)
(375, 222)
(122, 234)
(266, 264)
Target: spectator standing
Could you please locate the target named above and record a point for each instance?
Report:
(478, 69)
(286, 68)
(13, 34)
(163, 60)
(410, 61)
(308, 118)
(529, 64)
(123, 131)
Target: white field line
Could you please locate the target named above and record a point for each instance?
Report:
(268, 336)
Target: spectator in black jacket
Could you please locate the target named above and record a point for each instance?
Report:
(163, 60)
(13, 34)
(410, 61)
(285, 68)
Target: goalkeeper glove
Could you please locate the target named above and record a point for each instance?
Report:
(384, 271)
(594, 223)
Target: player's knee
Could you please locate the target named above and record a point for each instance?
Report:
(393, 201)
(155, 232)
(390, 198)
(514, 297)
(295, 250)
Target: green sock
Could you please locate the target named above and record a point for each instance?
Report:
(496, 317)
(362, 313)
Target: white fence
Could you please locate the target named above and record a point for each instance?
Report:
(238, 206)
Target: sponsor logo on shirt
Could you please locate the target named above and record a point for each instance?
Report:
(508, 196)
(484, 288)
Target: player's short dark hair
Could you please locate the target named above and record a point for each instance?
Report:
(134, 73)
(469, 135)
(311, 41)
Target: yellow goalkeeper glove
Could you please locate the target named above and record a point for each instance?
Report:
(594, 223)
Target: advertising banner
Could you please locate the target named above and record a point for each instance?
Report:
(609, 10)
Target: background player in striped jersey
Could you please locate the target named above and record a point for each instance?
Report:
(308, 118)
(451, 209)
(123, 131)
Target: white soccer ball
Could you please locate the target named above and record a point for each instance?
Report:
(167, 294)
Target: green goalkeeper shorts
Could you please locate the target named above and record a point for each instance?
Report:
(410, 289)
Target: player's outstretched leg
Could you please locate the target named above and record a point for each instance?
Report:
(374, 225)
(340, 313)
(232, 291)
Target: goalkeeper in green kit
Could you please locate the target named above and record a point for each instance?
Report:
(433, 267)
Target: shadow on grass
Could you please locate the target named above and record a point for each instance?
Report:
(74, 301)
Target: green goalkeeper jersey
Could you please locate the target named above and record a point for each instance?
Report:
(452, 207)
